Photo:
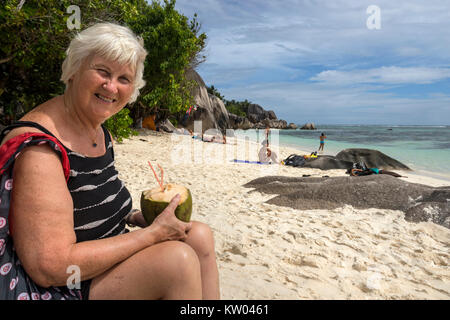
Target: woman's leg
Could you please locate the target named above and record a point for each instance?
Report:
(390, 173)
(201, 239)
(167, 270)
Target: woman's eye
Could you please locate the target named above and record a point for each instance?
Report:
(103, 72)
(125, 80)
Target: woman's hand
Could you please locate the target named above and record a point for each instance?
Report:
(168, 226)
(136, 219)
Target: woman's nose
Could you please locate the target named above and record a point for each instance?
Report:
(110, 86)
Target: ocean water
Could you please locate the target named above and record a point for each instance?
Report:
(425, 149)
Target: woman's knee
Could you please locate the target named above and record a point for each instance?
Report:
(171, 264)
(179, 257)
(201, 238)
(152, 273)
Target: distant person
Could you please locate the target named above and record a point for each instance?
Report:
(267, 134)
(187, 115)
(265, 155)
(313, 155)
(219, 139)
(322, 141)
(369, 171)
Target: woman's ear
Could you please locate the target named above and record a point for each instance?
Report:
(70, 81)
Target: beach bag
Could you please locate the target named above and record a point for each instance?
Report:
(15, 284)
(294, 160)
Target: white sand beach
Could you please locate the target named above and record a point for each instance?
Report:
(270, 252)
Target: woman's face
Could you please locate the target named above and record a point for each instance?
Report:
(101, 87)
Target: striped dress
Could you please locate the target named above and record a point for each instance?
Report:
(101, 203)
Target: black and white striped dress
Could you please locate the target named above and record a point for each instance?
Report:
(101, 202)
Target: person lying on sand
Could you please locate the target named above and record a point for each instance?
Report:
(68, 206)
(216, 138)
(206, 138)
(219, 139)
(313, 155)
(369, 171)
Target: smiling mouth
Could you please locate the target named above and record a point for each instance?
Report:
(106, 99)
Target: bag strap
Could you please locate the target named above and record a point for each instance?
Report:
(19, 124)
(11, 149)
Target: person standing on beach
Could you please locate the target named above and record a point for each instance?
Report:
(322, 141)
(267, 132)
(63, 221)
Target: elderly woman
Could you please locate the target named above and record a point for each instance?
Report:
(61, 222)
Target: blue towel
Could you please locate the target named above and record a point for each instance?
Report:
(246, 161)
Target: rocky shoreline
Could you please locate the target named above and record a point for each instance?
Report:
(211, 111)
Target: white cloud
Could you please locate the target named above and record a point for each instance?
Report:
(331, 31)
(325, 103)
(384, 75)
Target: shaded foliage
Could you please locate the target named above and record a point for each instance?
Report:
(119, 125)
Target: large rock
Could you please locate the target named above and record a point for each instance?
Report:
(166, 126)
(372, 159)
(437, 212)
(256, 113)
(238, 122)
(254, 118)
(308, 126)
(220, 113)
(327, 163)
(213, 114)
(374, 191)
(433, 207)
(271, 115)
(260, 118)
(211, 110)
(277, 124)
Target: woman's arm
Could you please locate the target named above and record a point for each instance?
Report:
(43, 231)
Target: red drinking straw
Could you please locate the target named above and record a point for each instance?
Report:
(160, 182)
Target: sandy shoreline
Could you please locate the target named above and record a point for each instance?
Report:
(270, 252)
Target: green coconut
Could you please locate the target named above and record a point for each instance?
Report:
(154, 201)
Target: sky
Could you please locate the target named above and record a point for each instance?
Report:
(330, 61)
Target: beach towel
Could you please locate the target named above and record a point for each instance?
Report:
(15, 284)
(247, 161)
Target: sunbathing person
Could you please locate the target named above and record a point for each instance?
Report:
(313, 155)
(369, 171)
(219, 139)
(207, 139)
(68, 206)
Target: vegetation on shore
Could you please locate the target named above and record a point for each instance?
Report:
(35, 35)
(239, 108)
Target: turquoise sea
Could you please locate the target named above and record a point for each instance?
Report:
(425, 149)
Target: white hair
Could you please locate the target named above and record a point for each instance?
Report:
(112, 42)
